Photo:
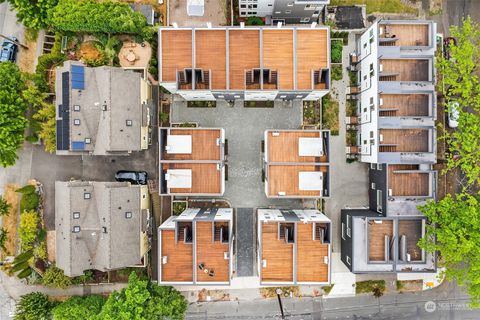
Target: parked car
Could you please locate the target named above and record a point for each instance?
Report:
(447, 42)
(9, 50)
(453, 113)
(134, 177)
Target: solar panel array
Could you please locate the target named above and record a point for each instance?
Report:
(63, 125)
(78, 77)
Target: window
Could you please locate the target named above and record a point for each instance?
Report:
(373, 186)
(144, 196)
(343, 231)
(128, 215)
(365, 77)
(252, 6)
(253, 12)
(379, 167)
(288, 11)
(88, 140)
(349, 261)
(76, 229)
(76, 107)
(304, 20)
(365, 45)
(87, 195)
(129, 123)
(371, 100)
(76, 215)
(243, 6)
(371, 134)
(372, 72)
(76, 122)
(349, 224)
(309, 7)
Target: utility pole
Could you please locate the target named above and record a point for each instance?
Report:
(279, 292)
(14, 41)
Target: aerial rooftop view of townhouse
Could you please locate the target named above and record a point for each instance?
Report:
(95, 116)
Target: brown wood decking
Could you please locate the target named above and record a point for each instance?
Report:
(177, 54)
(205, 177)
(376, 239)
(312, 48)
(408, 183)
(406, 104)
(244, 46)
(211, 254)
(179, 266)
(278, 55)
(407, 69)
(310, 256)
(284, 148)
(406, 140)
(412, 229)
(204, 145)
(210, 54)
(277, 253)
(284, 178)
(408, 34)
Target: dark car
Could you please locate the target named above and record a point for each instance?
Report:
(9, 51)
(134, 177)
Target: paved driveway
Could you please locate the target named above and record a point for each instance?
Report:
(244, 130)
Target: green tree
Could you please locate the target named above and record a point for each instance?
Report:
(3, 239)
(254, 21)
(79, 308)
(48, 127)
(455, 223)
(144, 300)
(4, 207)
(12, 112)
(91, 16)
(28, 229)
(33, 14)
(55, 278)
(460, 82)
(33, 306)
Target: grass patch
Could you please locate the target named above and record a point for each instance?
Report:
(330, 114)
(337, 72)
(370, 286)
(389, 6)
(201, 104)
(336, 47)
(178, 207)
(400, 285)
(271, 292)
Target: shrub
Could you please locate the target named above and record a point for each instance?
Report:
(4, 207)
(371, 286)
(3, 239)
(336, 51)
(28, 229)
(337, 72)
(48, 127)
(254, 21)
(55, 278)
(45, 62)
(30, 198)
(79, 308)
(33, 306)
(91, 16)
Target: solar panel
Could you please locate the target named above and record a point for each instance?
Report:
(78, 77)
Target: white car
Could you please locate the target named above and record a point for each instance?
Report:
(453, 114)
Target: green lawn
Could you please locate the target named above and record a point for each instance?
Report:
(390, 6)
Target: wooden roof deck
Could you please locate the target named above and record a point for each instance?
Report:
(310, 256)
(204, 145)
(409, 105)
(408, 183)
(205, 177)
(284, 148)
(211, 254)
(179, 266)
(408, 34)
(312, 54)
(376, 239)
(284, 178)
(406, 140)
(412, 229)
(244, 46)
(177, 54)
(277, 253)
(210, 54)
(278, 55)
(407, 69)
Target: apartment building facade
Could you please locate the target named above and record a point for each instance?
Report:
(285, 11)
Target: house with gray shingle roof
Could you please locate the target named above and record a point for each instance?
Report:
(102, 110)
(100, 225)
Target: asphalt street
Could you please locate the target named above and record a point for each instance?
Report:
(8, 23)
(454, 11)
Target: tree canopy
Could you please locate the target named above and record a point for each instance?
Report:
(79, 308)
(33, 14)
(33, 306)
(12, 112)
(92, 16)
(460, 82)
(143, 300)
(4, 207)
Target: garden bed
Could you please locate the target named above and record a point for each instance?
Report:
(386, 6)
(178, 207)
(340, 35)
(330, 119)
(337, 72)
(311, 113)
(369, 286)
(184, 124)
(258, 104)
(201, 104)
(336, 49)
(271, 292)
